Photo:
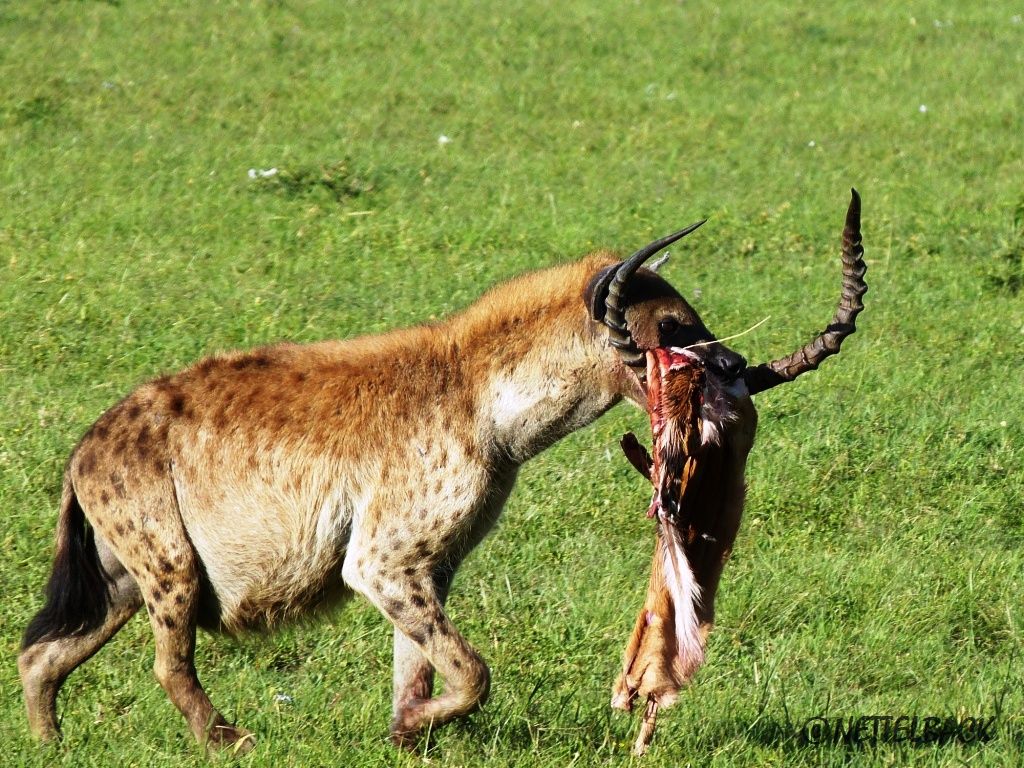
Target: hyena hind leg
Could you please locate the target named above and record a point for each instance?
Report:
(45, 663)
(170, 582)
(175, 669)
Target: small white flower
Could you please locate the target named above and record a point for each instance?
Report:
(923, 108)
(811, 143)
(283, 697)
(442, 140)
(1016, 18)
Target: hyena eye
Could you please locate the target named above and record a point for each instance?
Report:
(668, 326)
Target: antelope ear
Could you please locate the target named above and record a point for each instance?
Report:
(596, 292)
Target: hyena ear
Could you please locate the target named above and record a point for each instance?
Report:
(596, 292)
(611, 282)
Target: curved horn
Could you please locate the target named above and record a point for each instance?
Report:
(614, 316)
(825, 344)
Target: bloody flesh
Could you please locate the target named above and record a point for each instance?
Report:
(667, 645)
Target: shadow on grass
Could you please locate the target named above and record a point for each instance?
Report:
(789, 737)
(614, 734)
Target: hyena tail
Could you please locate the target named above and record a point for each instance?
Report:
(77, 595)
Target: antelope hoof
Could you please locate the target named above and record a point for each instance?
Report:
(231, 739)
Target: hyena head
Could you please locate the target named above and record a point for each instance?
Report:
(640, 311)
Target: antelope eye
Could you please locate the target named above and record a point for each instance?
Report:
(668, 326)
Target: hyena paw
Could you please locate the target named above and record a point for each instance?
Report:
(231, 739)
(407, 725)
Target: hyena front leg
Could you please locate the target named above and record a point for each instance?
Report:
(413, 674)
(402, 587)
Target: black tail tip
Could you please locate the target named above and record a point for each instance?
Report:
(77, 594)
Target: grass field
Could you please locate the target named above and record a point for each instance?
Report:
(880, 568)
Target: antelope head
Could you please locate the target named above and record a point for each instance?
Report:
(642, 312)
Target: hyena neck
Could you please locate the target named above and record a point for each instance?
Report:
(530, 403)
(539, 369)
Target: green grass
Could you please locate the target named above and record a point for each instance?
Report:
(880, 566)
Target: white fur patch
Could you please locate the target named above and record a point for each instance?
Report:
(686, 594)
(710, 434)
(333, 519)
(717, 410)
(514, 399)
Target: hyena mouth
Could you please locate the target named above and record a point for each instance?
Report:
(715, 396)
(659, 379)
